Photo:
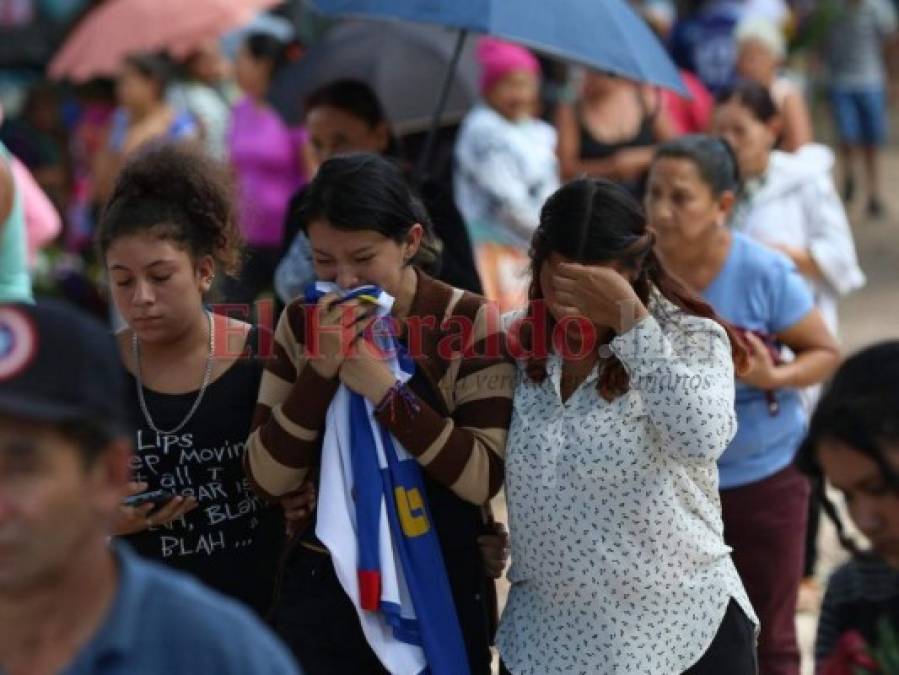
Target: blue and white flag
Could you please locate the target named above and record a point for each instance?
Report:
(373, 517)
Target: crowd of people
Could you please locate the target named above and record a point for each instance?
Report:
(318, 367)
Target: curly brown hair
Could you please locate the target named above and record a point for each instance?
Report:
(181, 194)
(594, 221)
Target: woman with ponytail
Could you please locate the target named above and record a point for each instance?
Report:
(764, 499)
(623, 404)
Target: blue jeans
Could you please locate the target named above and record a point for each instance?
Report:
(860, 115)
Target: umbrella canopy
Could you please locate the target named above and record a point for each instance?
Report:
(402, 62)
(118, 28)
(604, 34)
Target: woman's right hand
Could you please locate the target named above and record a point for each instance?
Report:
(338, 327)
(760, 370)
(298, 507)
(134, 519)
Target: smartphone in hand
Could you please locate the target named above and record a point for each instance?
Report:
(156, 497)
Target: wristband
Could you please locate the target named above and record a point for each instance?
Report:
(398, 394)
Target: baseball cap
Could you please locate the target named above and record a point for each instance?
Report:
(58, 364)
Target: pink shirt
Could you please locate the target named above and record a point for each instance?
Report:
(265, 154)
(689, 117)
(42, 221)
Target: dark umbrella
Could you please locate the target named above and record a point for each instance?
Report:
(402, 62)
(604, 34)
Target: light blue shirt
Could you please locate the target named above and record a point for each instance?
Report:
(163, 621)
(761, 290)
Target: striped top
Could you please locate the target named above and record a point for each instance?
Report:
(859, 595)
(463, 382)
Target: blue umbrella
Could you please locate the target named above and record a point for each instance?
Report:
(604, 34)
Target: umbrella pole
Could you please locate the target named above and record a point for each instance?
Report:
(428, 150)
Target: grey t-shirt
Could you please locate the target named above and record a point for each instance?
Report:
(854, 48)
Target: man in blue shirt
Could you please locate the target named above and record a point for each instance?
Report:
(69, 602)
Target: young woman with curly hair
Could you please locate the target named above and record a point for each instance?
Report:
(168, 227)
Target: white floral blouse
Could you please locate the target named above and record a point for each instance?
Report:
(618, 559)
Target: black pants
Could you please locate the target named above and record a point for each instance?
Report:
(314, 617)
(732, 651)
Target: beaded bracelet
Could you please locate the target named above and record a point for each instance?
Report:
(398, 392)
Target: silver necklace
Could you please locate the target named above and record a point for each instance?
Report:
(207, 374)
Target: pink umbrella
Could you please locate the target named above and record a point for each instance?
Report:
(120, 27)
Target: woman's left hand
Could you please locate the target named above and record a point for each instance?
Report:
(602, 295)
(495, 550)
(366, 372)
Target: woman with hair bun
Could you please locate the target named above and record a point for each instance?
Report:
(168, 228)
(764, 499)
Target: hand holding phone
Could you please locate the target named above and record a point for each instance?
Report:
(157, 507)
(155, 497)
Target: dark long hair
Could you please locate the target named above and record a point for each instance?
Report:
(355, 98)
(265, 47)
(858, 408)
(752, 96)
(154, 67)
(365, 191)
(594, 221)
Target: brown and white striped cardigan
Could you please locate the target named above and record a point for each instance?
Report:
(458, 436)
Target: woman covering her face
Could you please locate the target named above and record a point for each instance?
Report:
(623, 404)
(450, 417)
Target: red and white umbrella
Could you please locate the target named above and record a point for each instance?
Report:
(117, 28)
